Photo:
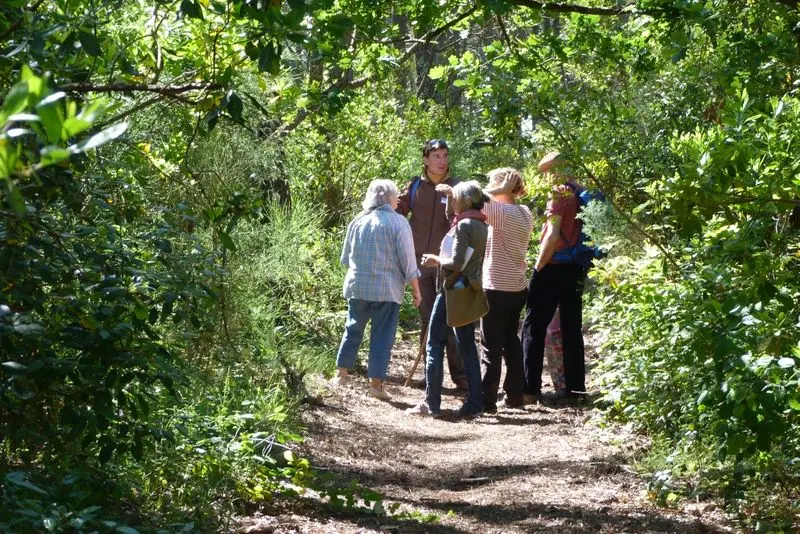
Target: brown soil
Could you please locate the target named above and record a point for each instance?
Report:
(546, 468)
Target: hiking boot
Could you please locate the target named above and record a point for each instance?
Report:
(468, 412)
(379, 393)
(506, 403)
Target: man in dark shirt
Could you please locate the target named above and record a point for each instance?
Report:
(429, 224)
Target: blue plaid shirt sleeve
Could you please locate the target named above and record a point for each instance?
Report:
(344, 260)
(406, 257)
(379, 254)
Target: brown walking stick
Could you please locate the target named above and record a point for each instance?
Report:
(423, 342)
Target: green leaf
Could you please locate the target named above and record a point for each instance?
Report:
(191, 9)
(16, 201)
(14, 367)
(235, 106)
(26, 117)
(252, 51)
(19, 479)
(53, 154)
(226, 241)
(52, 115)
(106, 452)
(15, 100)
(110, 133)
(140, 311)
(17, 132)
(89, 43)
(794, 404)
(73, 126)
(436, 72)
(269, 59)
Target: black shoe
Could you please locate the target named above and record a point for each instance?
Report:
(505, 403)
(466, 412)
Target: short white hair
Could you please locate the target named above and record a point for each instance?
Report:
(379, 192)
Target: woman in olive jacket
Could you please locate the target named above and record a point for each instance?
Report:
(469, 231)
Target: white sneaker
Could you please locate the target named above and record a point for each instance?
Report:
(338, 381)
(379, 393)
(419, 409)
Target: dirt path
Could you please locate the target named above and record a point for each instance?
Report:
(545, 468)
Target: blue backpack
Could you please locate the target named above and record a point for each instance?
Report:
(582, 252)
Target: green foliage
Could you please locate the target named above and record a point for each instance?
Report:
(710, 358)
(154, 285)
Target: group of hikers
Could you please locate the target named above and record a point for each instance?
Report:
(441, 234)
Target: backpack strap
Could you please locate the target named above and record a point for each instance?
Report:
(412, 191)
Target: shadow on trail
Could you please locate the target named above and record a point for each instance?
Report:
(328, 516)
(540, 517)
(466, 479)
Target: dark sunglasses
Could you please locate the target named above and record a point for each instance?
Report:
(434, 144)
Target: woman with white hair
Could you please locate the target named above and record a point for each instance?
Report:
(469, 231)
(378, 252)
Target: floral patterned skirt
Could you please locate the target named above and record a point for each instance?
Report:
(554, 352)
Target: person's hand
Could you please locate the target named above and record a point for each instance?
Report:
(509, 184)
(430, 260)
(417, 299)
(445, 189)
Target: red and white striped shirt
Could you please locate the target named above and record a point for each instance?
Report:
(510, 228)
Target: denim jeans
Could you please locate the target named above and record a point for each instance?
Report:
(384, 326)
(434, 363)
(428, 290)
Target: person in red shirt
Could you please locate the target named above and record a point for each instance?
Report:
(554, 284)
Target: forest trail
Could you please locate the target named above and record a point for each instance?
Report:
(545, 468)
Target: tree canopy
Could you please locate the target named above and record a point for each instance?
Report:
(174, 177)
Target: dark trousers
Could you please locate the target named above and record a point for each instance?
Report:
(555, 285)
(428, 291)
(500, 341)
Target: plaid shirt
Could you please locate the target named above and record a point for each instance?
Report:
(379, 254)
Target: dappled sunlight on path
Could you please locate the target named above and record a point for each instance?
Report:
(545, 468)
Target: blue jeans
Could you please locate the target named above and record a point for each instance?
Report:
(434, 363)
(381, 339)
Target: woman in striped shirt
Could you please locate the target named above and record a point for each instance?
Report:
(505, 282)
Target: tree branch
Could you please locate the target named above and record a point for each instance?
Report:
(166, 90)
(573, 8)
(343, 83)
(126, 113)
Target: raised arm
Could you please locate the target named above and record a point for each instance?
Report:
(550, 242)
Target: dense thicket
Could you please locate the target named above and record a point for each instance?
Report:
(174, 177)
